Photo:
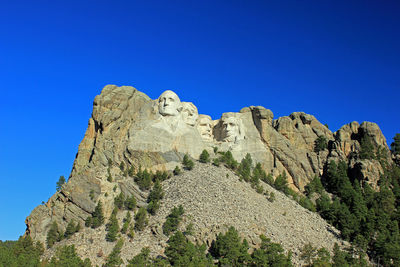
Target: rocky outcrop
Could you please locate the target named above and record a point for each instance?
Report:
(129, 129)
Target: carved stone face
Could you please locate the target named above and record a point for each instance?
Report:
(189, 113)
(204, 126)
(169, 104)
(231, 129)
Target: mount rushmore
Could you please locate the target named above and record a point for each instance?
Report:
(129, 127)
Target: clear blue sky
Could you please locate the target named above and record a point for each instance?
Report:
(337, 60)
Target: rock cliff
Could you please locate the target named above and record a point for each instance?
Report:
(127, 128)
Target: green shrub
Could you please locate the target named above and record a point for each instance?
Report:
(227, 158)
(109, 177)
(91, 194)
(204, 157)
(187, 163)
(177, 171)
(320, 143)
(161, 176)
(281, 183)
(271, 197)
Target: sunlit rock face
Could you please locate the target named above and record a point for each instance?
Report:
(189, 113)
(129, 127)
(127, 123)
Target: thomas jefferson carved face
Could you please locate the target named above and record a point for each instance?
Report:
(189, 113)
(205, 127)
(231, 129)
(169, 104)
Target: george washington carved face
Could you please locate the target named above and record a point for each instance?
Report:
(169, 104)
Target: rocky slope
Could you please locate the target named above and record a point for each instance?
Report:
(214, 199)
(129, 128)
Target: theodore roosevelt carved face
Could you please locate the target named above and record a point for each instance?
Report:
(204, 126)
(169, 104)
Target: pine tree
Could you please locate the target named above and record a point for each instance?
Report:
(141, 219)
(119, 200)
(109, 177)
(281, 183)
(143, 179)
(157, 193)
(320, 143)
(127, 221)
(228, 159)
(131, 171)
(259, 174)
(112, 229)
(367, 148)
(314, 186)
(308, 253)
(187, 163)
(173, 220)
(97, 216)
(142, 259)
(395, 146)
(60, 183)
(53, 235)
(70, 230)
(245, 168)
(154, 198)
(230, 250)
(130, 202)
(181, 252)
(270, 254)
(114, 259)
(67, 256)
(204, 157)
